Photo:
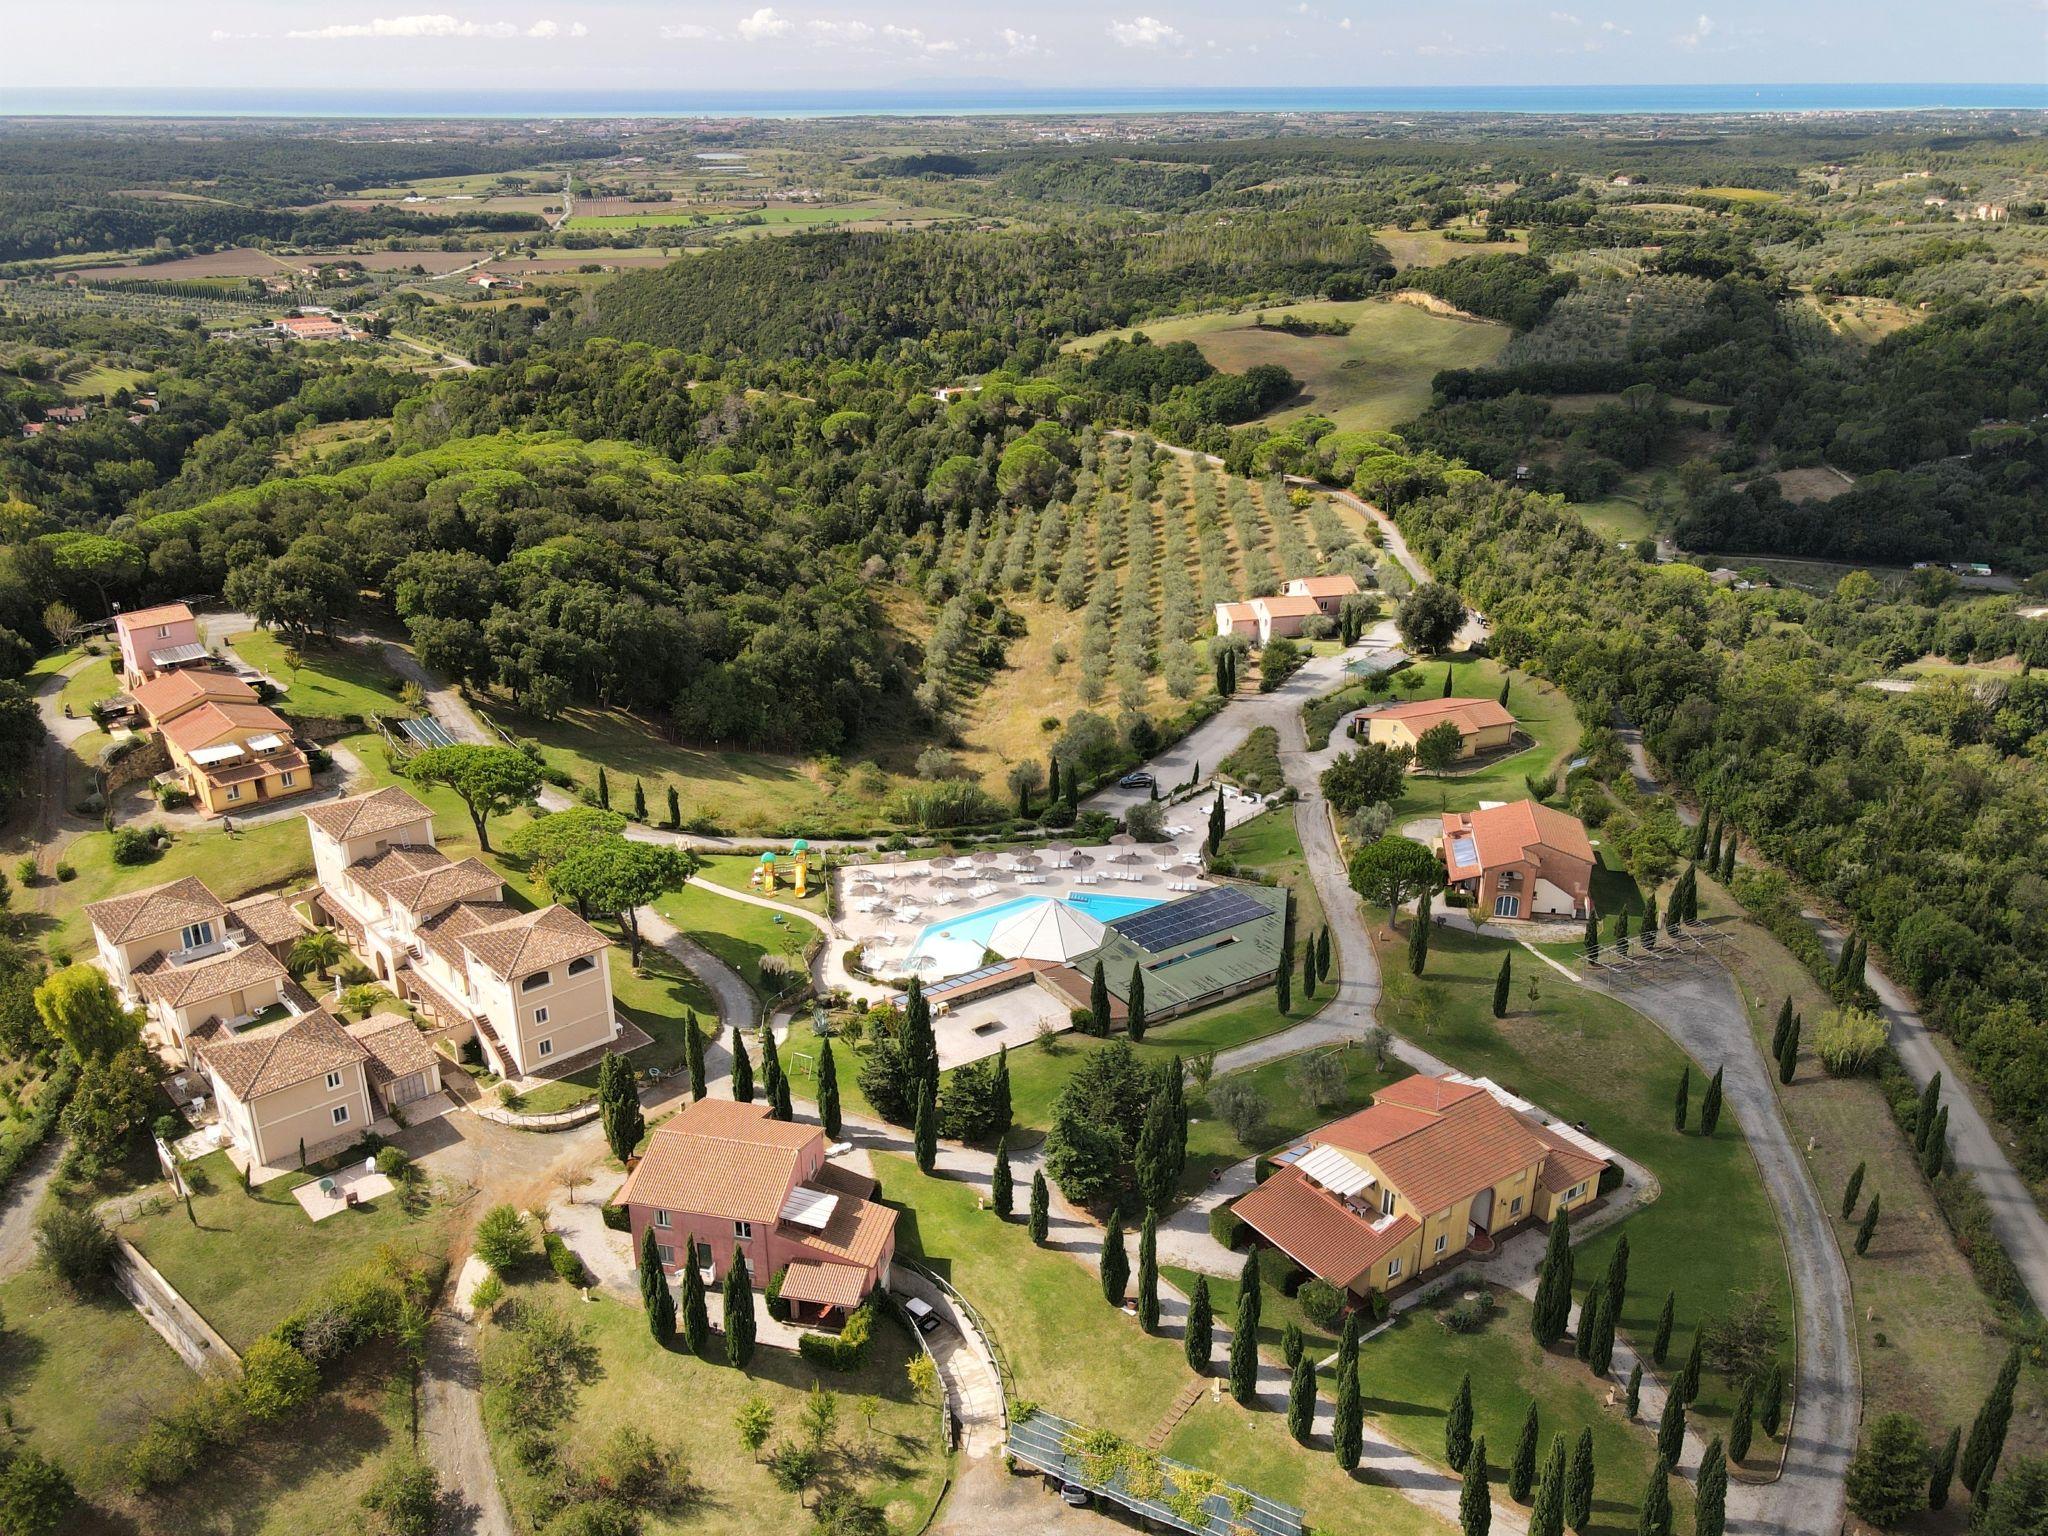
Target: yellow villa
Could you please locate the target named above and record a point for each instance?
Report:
(1483, 725)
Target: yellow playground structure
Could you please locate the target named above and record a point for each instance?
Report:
(763, 877)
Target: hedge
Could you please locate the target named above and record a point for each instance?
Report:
(36, 1128)
(1226, 1226)
(849, 1350)
(616, 1216)
(777, 1307)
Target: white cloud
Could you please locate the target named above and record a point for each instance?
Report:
(427, 25)
(1344, 25)
(1565, 19)
(1618, 31)
(222, 36)
(1019, 45)
(914, 38)
(763, 25)
(1143, 32)
(1701, 31)
(841, 32)
(691, 32)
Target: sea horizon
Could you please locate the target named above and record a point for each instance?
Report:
(296, 102)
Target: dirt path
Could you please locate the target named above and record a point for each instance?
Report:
(452, 1424)
(23, 1199)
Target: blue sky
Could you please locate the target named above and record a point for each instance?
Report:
(883, 43)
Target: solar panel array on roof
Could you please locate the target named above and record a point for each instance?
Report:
(1195, 917)
(427, 731)
(954, 983)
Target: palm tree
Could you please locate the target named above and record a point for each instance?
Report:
(321, 950)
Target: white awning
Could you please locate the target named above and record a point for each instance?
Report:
(177, 655)
(1334, 1171)
(265, 743)
(206, 757)
(811, 1208)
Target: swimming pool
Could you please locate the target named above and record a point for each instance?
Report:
(956, 944)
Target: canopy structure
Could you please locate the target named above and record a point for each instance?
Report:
(1048, 930)
(1169, 1493)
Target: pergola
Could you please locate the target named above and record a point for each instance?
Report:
(1044, 1441)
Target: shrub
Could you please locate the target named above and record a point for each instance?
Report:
(405, 1500)
(1321, 1303)
(488, 1293)
(1469, 1314)
(562, 1259)
(75, 1247)
(1849, 1041)
(1241, 1107)
(35, 1496)
(616, 1216)
(847, 1352)
(1226, 1226)
(503, 1239)
(65, 871)
(595, 1517)
(276, 1380)
(393, 1163)
(777, 1309)
(25, 872)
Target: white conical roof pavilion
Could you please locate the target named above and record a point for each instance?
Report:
(1050, 930)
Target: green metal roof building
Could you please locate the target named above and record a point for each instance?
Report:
(1196, 951)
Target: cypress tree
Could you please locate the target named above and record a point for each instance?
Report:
(1115, 1267)
(1987, 1432)
(1728, 860)
(1554, 1285)
(1578, 1487)
(1546, 1515)
(1308, 969)
(1196, 1341)
(1851, 1190)
(1617, 1276)
(1522, 1470)
(1784, 1025)
(1843, 962)
(1291, 1344)
(651, 1279)
(1458, 1426)
(1710, 1493)
(1674, 909)
(1503, 693)
(1930, 1100)
(739, 1313)
(1600, 1354)
(1671, 1426)
(1041, 1207)
(1714, 846)
(1098, 1002)
(1244, 1348)
(1689, 1374)
(1002, 1112)
(1177, 1120)
(828, 1093)
(1937, 1144)
(696, 1317)
(1868, 1226)
(1710, 1104)
(1347, 1434)
(742, 1069)
(639, 801)
(624, 1122)
(693, 1055)
(1323, 955)
(1001, 1191)
(1682, 1104)
(1654, 1517)
(1301, 1400)
(1250, 1288)
(1589, 1322)
(1283, 977)
(1475, 1504)
(1447, 682)
(1148, 1274)
(1770, 1400)
(661, 1317)
(771, 1062)
(1650, 921)
(780, 1107)
(1592, 935)
(925, 1135)
(1418, 937)
(1216, 825)
(1788, 1057)
(1134, 1015)
(1699, 837)
(1660, 1345)
(1943, 1473)
(675, 807)
(1501, 984)
(1633, 1398)
(1741, 1425)
(1692, 895)
(1980, 1501)
(604, 789)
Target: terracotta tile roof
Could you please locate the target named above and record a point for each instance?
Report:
(1471, 715)
(402, 862)
(1436, 1141)
(829, 1285)
(281, 1055)
(179, 986)
(1238, 613)
(857, 1233)
(838, 1179)
(159, 909)
(1318, 1230)
(443, 932)
(257, 768)
(1287, 607)
(1506, 834)
(1324, 586)
(383, 810)
(211, 721)
(724, 1159)
(1566, 1164)
(430, 889)
(396, 1046)
(165, 613)
(268, 918)
(532, 941)
(169, 692)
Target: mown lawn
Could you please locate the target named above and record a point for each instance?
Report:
(691, 1402)
(1409, 1374)
(1074, 1355)
(1213, 1145)
(732, 870)
(91, 684)
(1268, 848)
(333, 678)
(245, 1259)
(1541, 712)
(738, 932)
(1711, 1235)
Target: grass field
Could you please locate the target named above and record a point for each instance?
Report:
(690, 1402)
(247, 1258)
(732, 870)
(1710, 1235)
(738, 932)
(1434, 247)
(1075, 1356)
(1371, 380)
(336, 678)
(794, 216)
(1409, 1374)
(1620, 518)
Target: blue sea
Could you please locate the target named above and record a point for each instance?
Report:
(919, 101)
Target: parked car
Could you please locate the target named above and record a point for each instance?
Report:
(1138, 780)
(1074, 1494)
(921, 1314)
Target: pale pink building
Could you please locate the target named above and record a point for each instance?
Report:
(154, 640)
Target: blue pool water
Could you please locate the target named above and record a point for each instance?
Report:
(976, 927)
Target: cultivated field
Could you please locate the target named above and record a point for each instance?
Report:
(1434, 247)
(1371, 380)
(243, 261)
